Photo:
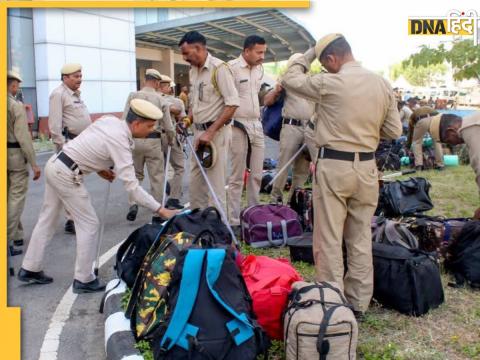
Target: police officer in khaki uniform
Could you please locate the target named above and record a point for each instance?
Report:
(296, 114)
(453, 130)
(177, 156)
(214, 101)
(418, 126)
(106, 143)
(149, 151)
(348, 128)
(68, 116)
(20, 154)
(248, 143)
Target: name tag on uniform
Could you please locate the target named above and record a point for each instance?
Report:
(244, 80)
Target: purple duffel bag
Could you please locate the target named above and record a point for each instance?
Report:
(269, 225)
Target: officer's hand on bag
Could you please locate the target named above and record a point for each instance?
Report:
(165, 213)
(36, 172)
(477, 214)
(108, 175)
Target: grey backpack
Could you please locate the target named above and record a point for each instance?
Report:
(319, 323)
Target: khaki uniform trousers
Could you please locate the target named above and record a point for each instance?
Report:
(17, 187)
(421, 128)
(177, 160)
(149, 152)
(292, 137)
(200, 196)
(345, 197)
(238, 161)
(64, 188)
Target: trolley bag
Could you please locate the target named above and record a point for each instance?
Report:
(269, 225)
(319, 323)
(269, 282)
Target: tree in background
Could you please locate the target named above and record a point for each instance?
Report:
(464, 57)
(417, 75)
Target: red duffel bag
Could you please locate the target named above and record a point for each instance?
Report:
(269, 282)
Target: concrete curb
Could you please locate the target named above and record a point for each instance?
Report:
(119, 339)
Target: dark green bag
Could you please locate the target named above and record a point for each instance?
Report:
(147, 304)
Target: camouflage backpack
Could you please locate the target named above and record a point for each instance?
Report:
(147, 304)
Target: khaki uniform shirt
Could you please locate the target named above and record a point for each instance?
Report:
(17, 129)
(296, 107)
(108, 142)
(207, 102)
(405, 114)
(177, 103)
(354, 108)
(470, 132)
(66, 109)
(248, 81)
(149, 94)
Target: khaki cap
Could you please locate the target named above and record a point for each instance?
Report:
(12, 74)
(435, 127)
(165, 79)
(324, 42)
(292, 58)
(154, 73)
(68, 69)
(145, 109)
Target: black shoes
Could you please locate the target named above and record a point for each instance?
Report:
(173, 204)
(18, 242)
(70, 227)
(439, 168)
(89, 287)
(359, 315)
(32, 277)
(132, 213)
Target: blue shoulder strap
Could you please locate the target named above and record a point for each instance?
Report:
(240, 327)
(179, 330)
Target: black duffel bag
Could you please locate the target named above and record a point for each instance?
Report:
(407, 280)
(463, 256)
(404, 198)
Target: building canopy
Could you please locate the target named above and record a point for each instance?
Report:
(225, 31)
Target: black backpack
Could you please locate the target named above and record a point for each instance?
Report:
(210, 312)
(407, 280)
(463, 256)
(200, 221)
(132, 251)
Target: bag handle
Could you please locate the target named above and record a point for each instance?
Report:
(209, 210)
(265, 281)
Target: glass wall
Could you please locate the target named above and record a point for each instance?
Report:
(21, 55)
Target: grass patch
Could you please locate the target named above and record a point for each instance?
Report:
(450, 332)
(43, 144)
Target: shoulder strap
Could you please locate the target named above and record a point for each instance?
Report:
(240, 327)
(178, 329)
(214, 76)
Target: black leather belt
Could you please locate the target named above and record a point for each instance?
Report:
(72, 165)
(154, 135)
(289, 121)
(68, 134)
(13, 145)
(326, 153)
(311, 125)
(420, 117)
(205, 126)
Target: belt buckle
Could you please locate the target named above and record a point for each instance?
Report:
(322, 151)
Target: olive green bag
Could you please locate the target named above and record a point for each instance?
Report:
(147, 304)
